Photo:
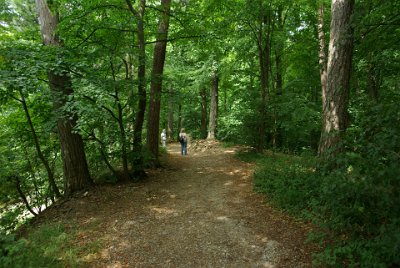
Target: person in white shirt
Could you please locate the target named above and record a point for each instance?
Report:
(164, 138)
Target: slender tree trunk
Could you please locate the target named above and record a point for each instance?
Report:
(76, 172)
(138, 161)
(156, 82)
(279, 49)
(279, 53)
(339, 69)
(124, 144)
(43, 159)
(170, 130)
(108, 164)
(264, 48)
(122, 132)
(17, 180)
(322, 53)
(179, 119)
(212, 124)
(203, 127)
(102, 150)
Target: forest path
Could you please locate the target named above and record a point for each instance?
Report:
(199, 211)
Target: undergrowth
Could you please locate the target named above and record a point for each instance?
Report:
(356, 213)
(52, 245)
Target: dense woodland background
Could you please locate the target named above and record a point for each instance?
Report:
(85, 93)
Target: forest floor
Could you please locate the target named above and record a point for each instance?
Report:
(199, 210)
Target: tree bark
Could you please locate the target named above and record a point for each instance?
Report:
(212, 124)
(279, 53)
(335, 115)
(76, 172)
(156, 81)
(264, 52)
(170, 130)
(322, 53)
(138, 161)
(179, 119)
(43, 159)
(203, 126)
(122, 132)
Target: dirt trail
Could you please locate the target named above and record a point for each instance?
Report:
(200, 211)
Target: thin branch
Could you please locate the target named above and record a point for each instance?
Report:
(102, 106)
(98, 7)
(131, 9)
(84, 40)
(177, 38)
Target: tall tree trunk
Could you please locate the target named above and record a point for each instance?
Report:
(179, 119)
(124, 143)
(322, 53)
(170, 130)
(212, 124)
(335, 106)
(279, 52)
(156, 82)
(76, 172)
(138, 161)
(203, 127)
(122, 132)
(264, 48)
(43, 159)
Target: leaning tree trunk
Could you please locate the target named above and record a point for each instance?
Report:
(335, 115)
(50, 174)
(156, 82)
(212, 125)
(76, 172)
(24, 198)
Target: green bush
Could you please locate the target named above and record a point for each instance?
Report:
(359, 214)
(50, 245)
(42, 249)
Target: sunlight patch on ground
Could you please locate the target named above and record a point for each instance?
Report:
(229, 183)
(164, 211)
(222, 218)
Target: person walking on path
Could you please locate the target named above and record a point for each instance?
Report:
(164, 138)
(183, 140)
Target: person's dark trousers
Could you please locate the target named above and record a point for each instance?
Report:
(184, 148)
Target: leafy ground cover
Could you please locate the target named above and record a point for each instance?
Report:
(356, 214)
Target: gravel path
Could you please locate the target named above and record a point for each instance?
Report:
(198, 211)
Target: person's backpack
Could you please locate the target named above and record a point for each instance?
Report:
(182, 139)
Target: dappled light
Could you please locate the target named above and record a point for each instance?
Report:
(199, 133)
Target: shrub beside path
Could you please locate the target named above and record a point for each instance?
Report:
(198, 211)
